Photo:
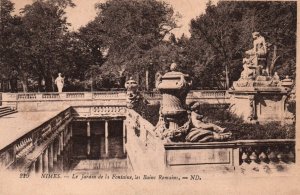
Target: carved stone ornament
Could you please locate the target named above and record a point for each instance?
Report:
(177, 121)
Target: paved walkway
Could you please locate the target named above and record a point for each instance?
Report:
(16, 125)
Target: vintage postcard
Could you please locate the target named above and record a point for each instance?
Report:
(148, 97)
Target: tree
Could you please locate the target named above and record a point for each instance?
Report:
(6, 27)
(45, 24)
(129, 30)
(221, 35)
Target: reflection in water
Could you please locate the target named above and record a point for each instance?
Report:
(95, 153)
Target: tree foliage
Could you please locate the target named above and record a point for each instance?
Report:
(132, 37)
(221, 35)
(129, 31)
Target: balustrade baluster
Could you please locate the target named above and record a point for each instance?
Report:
(273, 158)
(244, 158)
(291, 156)
(263, 157)
(280, 157)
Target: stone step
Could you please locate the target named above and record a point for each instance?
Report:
(4, 111)
(4, 108)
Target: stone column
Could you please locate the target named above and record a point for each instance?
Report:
(88, 129)
(124, 129)
(124, 144)
(88, 147)
(33, 168)
(106, 129)
(64, 136)
(58, 145)
(55, 154)
(40, 164)
(106, 137)
(71, 130)
(61, 141)
(50, 157)
(106, 146)
(45, 161)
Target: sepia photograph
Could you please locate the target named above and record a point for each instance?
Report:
(148, 97)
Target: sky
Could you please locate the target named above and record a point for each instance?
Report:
(85, 12)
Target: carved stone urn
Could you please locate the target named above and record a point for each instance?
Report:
(174, 87)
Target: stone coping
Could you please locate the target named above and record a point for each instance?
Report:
(228, 144)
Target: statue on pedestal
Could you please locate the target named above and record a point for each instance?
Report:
(59, 81)
(253, 94)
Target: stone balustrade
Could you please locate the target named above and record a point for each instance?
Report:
(61, 96)
(264, 152)
(242, 155)
(40, 101)
(142, 145)
(266, 156)
(103, 95)
(99, 111)
(34, 151)
(210, 94)
(23, 147)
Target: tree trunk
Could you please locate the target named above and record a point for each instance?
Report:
(48, 83)
(227, 77)
(274, 58)
(39, 84)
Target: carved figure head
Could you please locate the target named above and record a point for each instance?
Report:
(173, 67)
(255, 35)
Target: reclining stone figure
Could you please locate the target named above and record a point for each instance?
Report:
(202, 131)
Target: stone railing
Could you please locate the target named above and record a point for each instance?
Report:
(102, 95)
(99, 111)
(142, 144)
(262, 152)
(35, 151)
(242, 155)
(62, 96)
(204, 94)
(210, 94)
(40, 101)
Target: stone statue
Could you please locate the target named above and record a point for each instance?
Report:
(134, 98)
(247, 73)
(202, 131)
(259, 51)
(59, 81)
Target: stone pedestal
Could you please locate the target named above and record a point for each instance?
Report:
(264, 104)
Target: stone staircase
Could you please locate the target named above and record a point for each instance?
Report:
(4, 110)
